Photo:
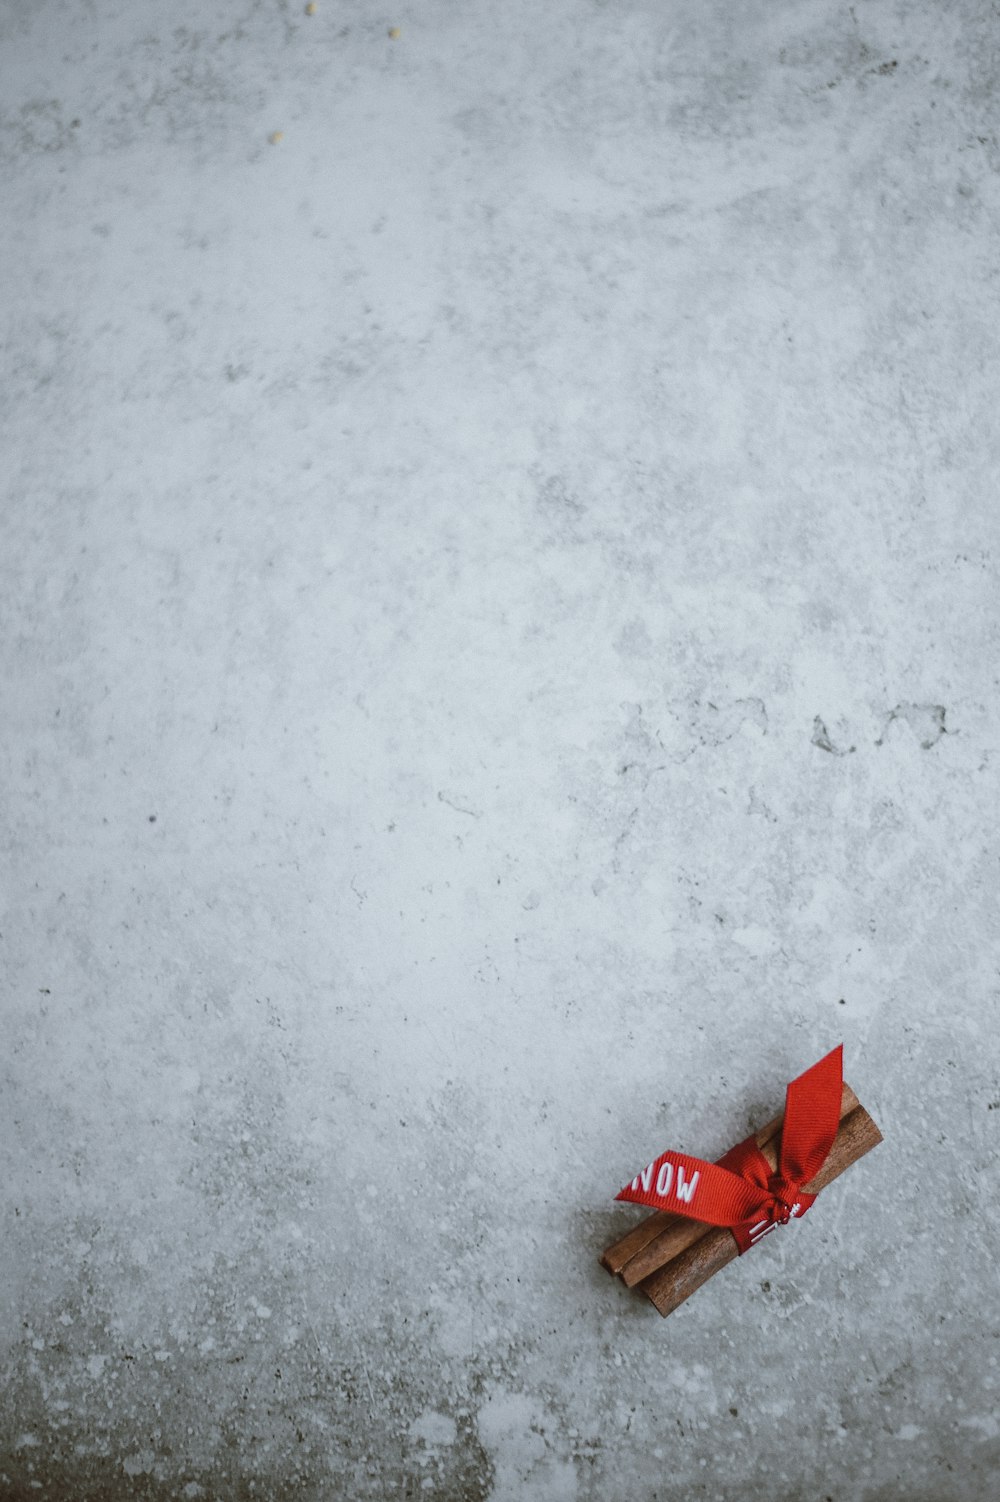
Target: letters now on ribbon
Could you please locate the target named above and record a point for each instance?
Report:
(740, 1191)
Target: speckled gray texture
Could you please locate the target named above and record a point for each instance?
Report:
(499, 672)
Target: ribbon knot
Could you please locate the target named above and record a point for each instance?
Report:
(784, 1204)
(741, 1191)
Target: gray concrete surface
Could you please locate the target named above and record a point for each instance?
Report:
(499, 670)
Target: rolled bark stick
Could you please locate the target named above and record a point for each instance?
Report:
(684, 1232)
(678, 1279)
(616, 1257)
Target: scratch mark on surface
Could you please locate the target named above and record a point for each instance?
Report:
(925, 720)
(472, 812)
(821, 738)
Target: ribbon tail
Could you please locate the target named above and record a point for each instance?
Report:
(812, 1116)
(696, 1189)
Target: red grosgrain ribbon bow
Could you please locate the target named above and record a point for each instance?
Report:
(740, 1191)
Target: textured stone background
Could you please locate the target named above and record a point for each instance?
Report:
(499, 671)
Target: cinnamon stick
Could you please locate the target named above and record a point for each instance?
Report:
(662, 1235)
(678, 1279)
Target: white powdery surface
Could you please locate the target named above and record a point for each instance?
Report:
(498, 674)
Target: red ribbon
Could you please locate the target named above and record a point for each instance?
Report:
(740, 1191)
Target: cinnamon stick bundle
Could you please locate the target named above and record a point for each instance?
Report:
(662, 1235)
(670, 1256)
